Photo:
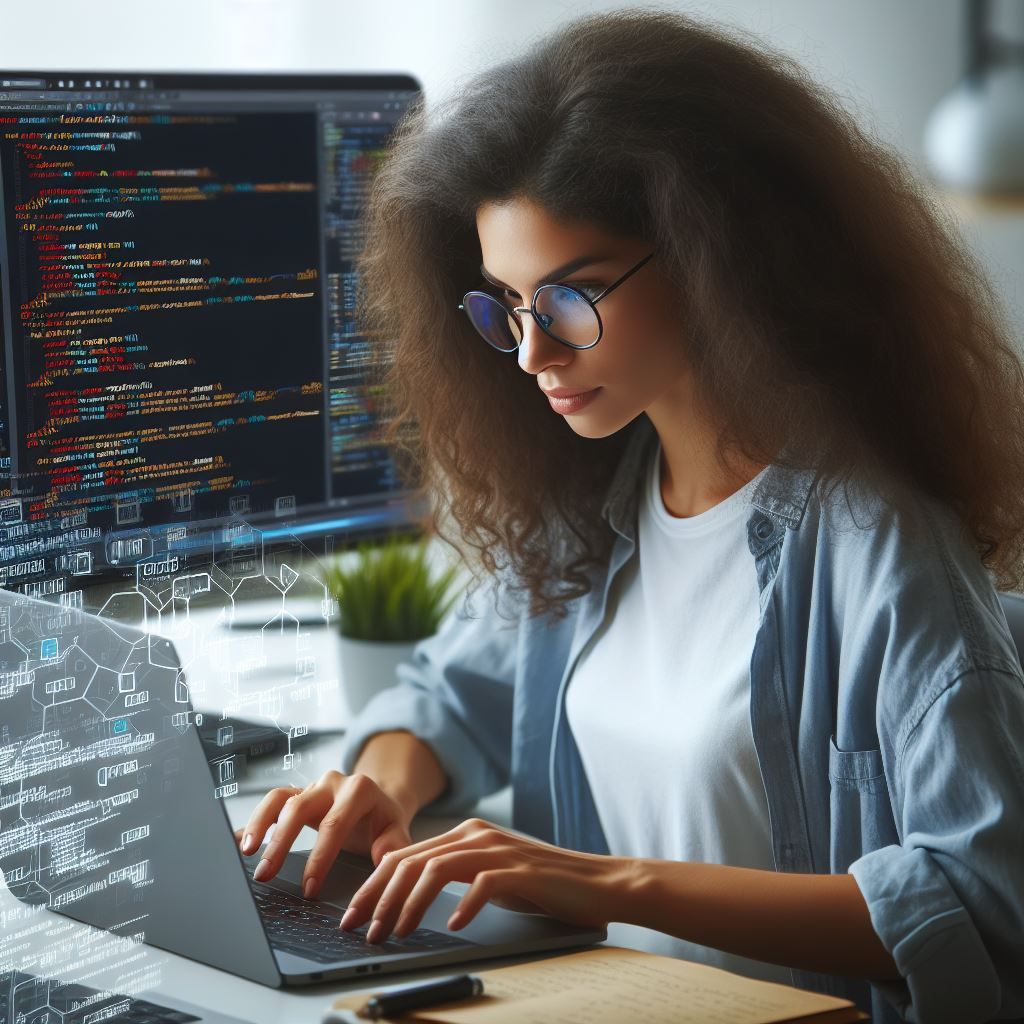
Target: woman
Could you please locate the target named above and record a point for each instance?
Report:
(734, 426)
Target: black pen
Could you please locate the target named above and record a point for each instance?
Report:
(391, 1004)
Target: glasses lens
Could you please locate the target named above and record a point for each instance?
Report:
(495, 324)
(566, 314)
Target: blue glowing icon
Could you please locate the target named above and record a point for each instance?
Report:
(120, 726)
(48, 649)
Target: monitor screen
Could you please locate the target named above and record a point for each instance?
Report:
(179, 343)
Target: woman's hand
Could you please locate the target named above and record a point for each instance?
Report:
(505, 868)
(351, 812)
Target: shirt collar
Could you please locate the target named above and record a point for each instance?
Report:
(782, 492)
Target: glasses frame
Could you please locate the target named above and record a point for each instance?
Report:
(517, 311)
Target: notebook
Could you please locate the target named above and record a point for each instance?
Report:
(610, 984)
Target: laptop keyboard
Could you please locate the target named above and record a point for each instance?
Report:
(298, 926)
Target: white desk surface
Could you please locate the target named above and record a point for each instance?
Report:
(45, 943)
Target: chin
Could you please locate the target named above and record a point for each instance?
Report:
(596, 427)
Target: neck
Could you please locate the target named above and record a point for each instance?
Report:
(692, 478)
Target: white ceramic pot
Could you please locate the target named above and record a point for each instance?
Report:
(369, 666)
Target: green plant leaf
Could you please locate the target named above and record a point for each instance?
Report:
(387, 591)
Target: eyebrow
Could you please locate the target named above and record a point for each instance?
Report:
(556, 274)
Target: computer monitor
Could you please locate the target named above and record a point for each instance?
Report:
(179, 343)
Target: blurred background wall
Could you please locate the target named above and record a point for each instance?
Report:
(890, 62)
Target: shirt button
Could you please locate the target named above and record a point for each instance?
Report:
(764, 529)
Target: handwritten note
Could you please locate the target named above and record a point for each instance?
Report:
(611, 984)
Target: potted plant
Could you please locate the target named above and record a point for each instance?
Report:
(388, 600)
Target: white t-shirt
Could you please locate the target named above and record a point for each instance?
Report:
(659, 705)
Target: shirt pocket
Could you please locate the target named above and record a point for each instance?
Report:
(860, 810)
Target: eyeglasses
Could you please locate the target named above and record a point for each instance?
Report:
(563, 313)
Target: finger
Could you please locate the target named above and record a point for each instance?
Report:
(395, 837)
(392, 900)
(299, 810)
(409, 874)
(472, 831)
(264, 816)
(354, 800)
(462, 866)
(366, 897)
(487, 885)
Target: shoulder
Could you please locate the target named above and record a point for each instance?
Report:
(887, 605)
(902, 567)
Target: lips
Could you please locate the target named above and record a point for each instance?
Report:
(565, 392)
(572, 401)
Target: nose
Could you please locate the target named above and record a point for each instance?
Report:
(538, 350)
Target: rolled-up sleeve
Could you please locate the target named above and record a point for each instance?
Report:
(948, 902)
(456, 695)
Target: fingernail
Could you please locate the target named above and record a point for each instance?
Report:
(262, 870)
(348, 917)
(309, 888)
(375, 932)
(248, 843)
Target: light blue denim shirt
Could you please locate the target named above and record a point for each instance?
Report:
(887, 711)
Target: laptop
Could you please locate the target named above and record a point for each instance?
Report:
(109, 815)
(31, 999)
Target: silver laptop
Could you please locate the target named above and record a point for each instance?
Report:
(30, 999)
(110, 813)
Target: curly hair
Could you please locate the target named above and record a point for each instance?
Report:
(823, 293)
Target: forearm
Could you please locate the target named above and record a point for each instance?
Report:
(810, 922)
(404, 767)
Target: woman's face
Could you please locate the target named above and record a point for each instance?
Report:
(638, 365)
